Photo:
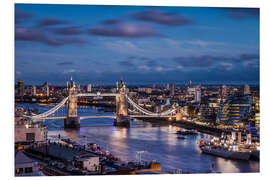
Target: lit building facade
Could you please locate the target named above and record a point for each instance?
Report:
(172, 89)
(34, 91)
(20, 87)
(198, 95)
(89, 88)
(236, 109)
(25, 131)
(247, 89)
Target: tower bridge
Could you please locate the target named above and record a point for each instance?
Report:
(122, 115)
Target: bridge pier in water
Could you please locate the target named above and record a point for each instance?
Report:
(72, 121)
(122, 118)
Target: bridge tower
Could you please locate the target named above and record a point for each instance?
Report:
(72, 120)
(122, 118)
(178, 115)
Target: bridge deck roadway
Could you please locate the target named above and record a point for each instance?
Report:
(105, 116)
(97, 94)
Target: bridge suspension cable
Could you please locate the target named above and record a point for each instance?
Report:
(50, 111)
(144, 111)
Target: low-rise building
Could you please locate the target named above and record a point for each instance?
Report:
(25, 166)
(26, 131)
(78, 156)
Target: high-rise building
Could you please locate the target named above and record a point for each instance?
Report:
(46, 89)
(198, 95)
(20, 87)
(172, 89)
(168, 86)
(89, 88)
(246, 90)
(34, 91)
(154, 86)
(223, 91)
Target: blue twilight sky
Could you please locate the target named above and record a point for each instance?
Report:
(101, 44)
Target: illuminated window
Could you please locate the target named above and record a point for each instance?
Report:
(19, 170)
(28, 170)
(30, 136)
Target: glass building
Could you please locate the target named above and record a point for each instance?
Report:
(235, 109)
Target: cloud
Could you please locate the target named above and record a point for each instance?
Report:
(118, 28)
(21, 15)
(249, 56)
(50, 21)
(126, 63)
(69, 40)
(68, 71)
(220, 62)
(37, 35)
(196, 61)
(70, 30)
(28, 34)
(204, 43)
(198, 42)
(144, 67)
(242, 13)
(162, 17)
(65, 63)
(226, 66)
(123, 46)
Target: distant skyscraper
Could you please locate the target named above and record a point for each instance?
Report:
(89, 88)
(190, 83)
(224, 91)
(46, 90)
(198, 95)
(168, 86)
(172, 89)
(34, 90)
(154, 86)
(20, 87)
(246, 89)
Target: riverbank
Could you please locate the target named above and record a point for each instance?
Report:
(186, 124)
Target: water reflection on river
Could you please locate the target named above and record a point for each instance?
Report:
(160, 142)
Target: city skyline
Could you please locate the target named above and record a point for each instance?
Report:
(138, 43)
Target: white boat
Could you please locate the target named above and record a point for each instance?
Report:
(230, 153)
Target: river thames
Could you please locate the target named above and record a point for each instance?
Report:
(159, 141)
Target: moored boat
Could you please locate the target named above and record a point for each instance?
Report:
(181, 137)
(187, 132)
(233, 152)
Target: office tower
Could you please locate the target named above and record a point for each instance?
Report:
(247, 89)
(172, 89)
(234, 110)
(168, 86)
(89, 88)
(223, 91)
(20, 87)
(46, 90)
(198, 95)
(34, 91)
